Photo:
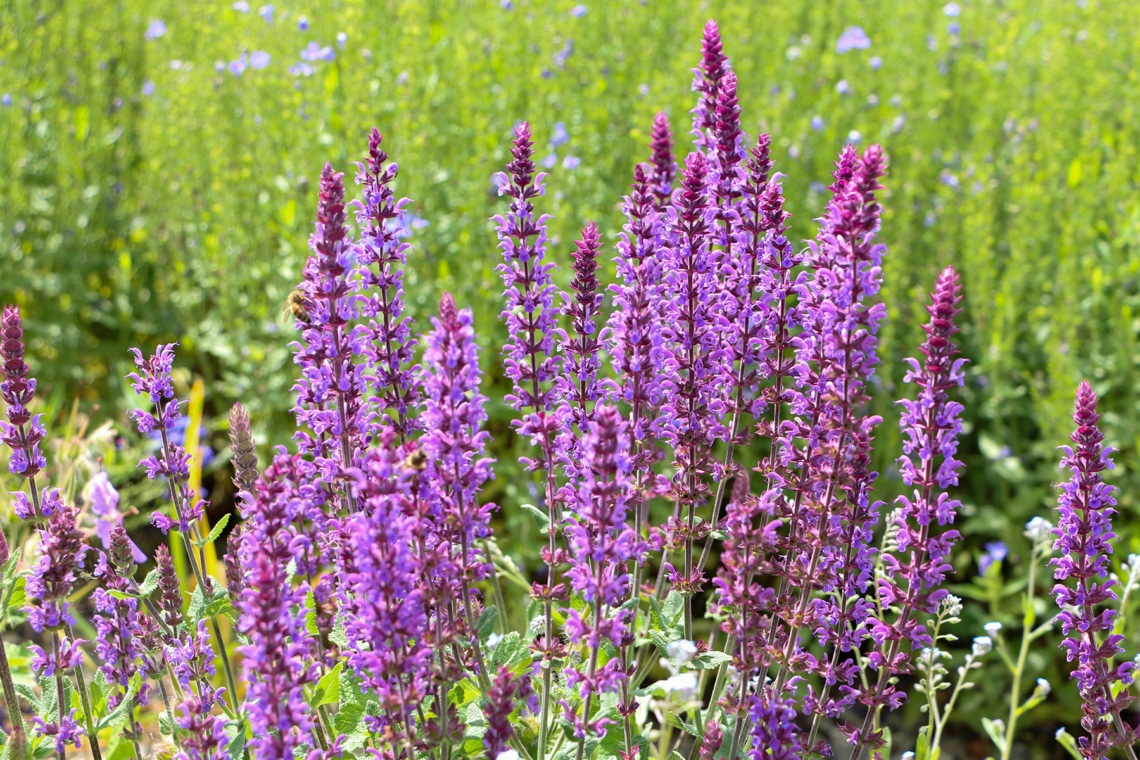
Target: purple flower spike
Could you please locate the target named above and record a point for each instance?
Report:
(578, 385)
(23, 431)
(664, 166)
(916, 568)
(454, 438)
(204, 735)
(1084, 534)
(381, 258)
(530, 316)
(330, 391)
(505, 694)
(714, 65)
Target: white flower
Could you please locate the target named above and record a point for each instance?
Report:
(507, 754)
(952, 605)
(992, 629)
(683, 686)
(982, 646)
(1038, 530)
(908, 756)
(493, 641)
(1043, 686)
(683, 651)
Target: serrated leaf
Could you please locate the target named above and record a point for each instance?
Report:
(122, 711)
(18, 598)
(311, 614)
(217, 529)
(671, 610)
(510, 651)
(165, 726)
(236, 750)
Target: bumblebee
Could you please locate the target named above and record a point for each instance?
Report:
(300, 306)
(416, 461)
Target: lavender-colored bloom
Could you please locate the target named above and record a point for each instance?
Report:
(148, 88)
(104, 500)
(381, 258)
(707, 79)
(634, 337)
(919, 562)
(561, 56)
(995, 552)
(341, 39)
(571, 162)
(507, 692)
(875, 63)
(550, 161)
(454, 439)
(238, 67)
(258, 59)
(817, 123)
(530, 316)
(266, 12)
(774, 734)
(953, 10)
(276, 665)
(241, 6)
(66, 732)
(303, 23)
(154, 30)
(843, 87)
(853, 38)
(577, 386)
(204, 735)
(664, 168)
(330, 401)
(601, 548)
(560, 136)
(314, 52)
(1084, 534)
(53, 577)
(23, 431)
(116, 622)
(301, 70)
(578, 11)
(6, 99)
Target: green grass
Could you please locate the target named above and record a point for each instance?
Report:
(129, 219)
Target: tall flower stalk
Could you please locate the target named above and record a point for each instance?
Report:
(1084, 591)
(913, 573)
(529, 362)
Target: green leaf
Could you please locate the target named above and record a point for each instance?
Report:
(150, 583)
(486, 625)
(311, 614)
(18, 598)
(541, 519)
(217, 529)
(120, 749)
(122, 711)
(710, 660)
(922, 745)
(510, 651)
(236, 750)
(327, 691)
(671, 610)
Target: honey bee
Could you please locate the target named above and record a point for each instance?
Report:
(416, 461)
(299, 305)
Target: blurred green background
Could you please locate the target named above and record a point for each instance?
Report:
(159, 162)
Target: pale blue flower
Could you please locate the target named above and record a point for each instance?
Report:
(560, 137)
(155, 30)
(952, 10)
(266, 12)
(238, 67)
(241, 6)
(842, 87)
(571, 162)
(259, 59)
(341, 39)
(817, 123)
(579, 11)
(853, 38)
(148, 88)
(5, 99)
(303, 23)
(550, 161)
(301, 70)
(876, 63)
(314, 52)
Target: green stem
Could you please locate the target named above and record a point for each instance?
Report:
(18, 740)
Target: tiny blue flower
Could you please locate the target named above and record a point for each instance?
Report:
(876, 63)
(853, 38)
(301, 70)
(854, 137)
(550, 161)
(303, 23)
(238, 67)
(560, 137)
(952, 10)
(506, 4)
(898, 124)
(155, 30)
(266, 12)
(148, 88)
(315, 52)
(241, 6)
(954, 28)
(5, 100)
(817, 123)
(578, 11)
(842, 87)
(259, 59)
(571, 162)
(341, 39)
(995, 551)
